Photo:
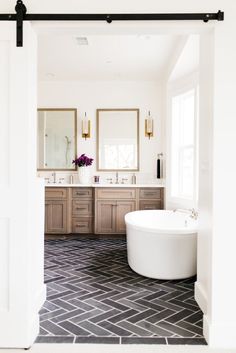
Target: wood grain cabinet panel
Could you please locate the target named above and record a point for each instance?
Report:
(82, 208)
(82, 193)
(55, 193)
(150, 205)
(56, 217)
(82, 225)
(122, 208)
(116, 193)
(106, 217)
(150, 193)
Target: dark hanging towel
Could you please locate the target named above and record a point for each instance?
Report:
(159, 165)
(158, 168)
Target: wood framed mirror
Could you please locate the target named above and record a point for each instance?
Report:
(57, 139)
(118, 139)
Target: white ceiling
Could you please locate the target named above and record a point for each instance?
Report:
(106, 57)
(188, 60)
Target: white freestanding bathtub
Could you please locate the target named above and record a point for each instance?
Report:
(162, 244)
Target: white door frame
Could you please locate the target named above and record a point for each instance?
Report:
(140, 28)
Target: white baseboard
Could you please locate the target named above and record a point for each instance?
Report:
(200, 297)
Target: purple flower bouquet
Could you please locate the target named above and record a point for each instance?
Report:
(83, 161)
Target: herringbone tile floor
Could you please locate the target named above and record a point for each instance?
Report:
(94, 297)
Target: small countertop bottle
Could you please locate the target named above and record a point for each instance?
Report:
(133, 179)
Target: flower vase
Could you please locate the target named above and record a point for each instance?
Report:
(84, 175)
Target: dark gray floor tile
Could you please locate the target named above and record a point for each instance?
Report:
(105, 316)
(106, 295)
(143, 340)
(151, 305)
(179, 316)
(135, 329)
(54, 339)
(143, 315)
(93, 292)
(54, 329)
(133, 305)
(74, 329)
(187, 341)
(85, 316)
(52, 314)
(68, 315)
(43, 332)
(183, 304)
(152, 296)
(82, 305)
(94, 329)
(114, 328)
(155, 329)
(160, 316)
(123, 316)
(43, 311)
(193, 328)
(194, 318)
(115, 305)
(65, 305)
(59, 295)
(166, 304)
(97, 340)
(175, 329)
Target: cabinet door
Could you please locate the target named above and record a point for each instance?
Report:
(106, 217)
(122, 208)
(55, 217)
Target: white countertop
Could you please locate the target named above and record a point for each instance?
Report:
(106, 185)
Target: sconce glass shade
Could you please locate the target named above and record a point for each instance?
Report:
(85, 127)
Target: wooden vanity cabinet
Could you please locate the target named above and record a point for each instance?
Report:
(111, 205)
(100, 210)
(82, 210)
(151, 198)
(56, 211)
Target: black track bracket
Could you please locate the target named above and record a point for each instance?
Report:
(21, 16)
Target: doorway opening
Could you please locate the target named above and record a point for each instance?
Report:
(93, 295)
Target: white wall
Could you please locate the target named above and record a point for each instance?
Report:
(89, 96)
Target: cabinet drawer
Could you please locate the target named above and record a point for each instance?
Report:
(82, 208)
(82, 225)
(82, 193)
(55, 193)
(116, 193)
(150, 205)
(149, 193)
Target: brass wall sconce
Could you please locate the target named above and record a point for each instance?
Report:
(86, 127)
(149, 126)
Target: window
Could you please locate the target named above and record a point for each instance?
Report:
(183, 145)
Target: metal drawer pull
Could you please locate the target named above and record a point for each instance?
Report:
(81, 225)
(81, 208)
(81, 193)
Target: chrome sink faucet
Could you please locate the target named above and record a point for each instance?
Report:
(117, 178)
(54, 177)
(194, 214)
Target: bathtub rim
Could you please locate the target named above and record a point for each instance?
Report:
(153, 229)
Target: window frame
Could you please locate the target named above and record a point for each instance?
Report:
(175, 88)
